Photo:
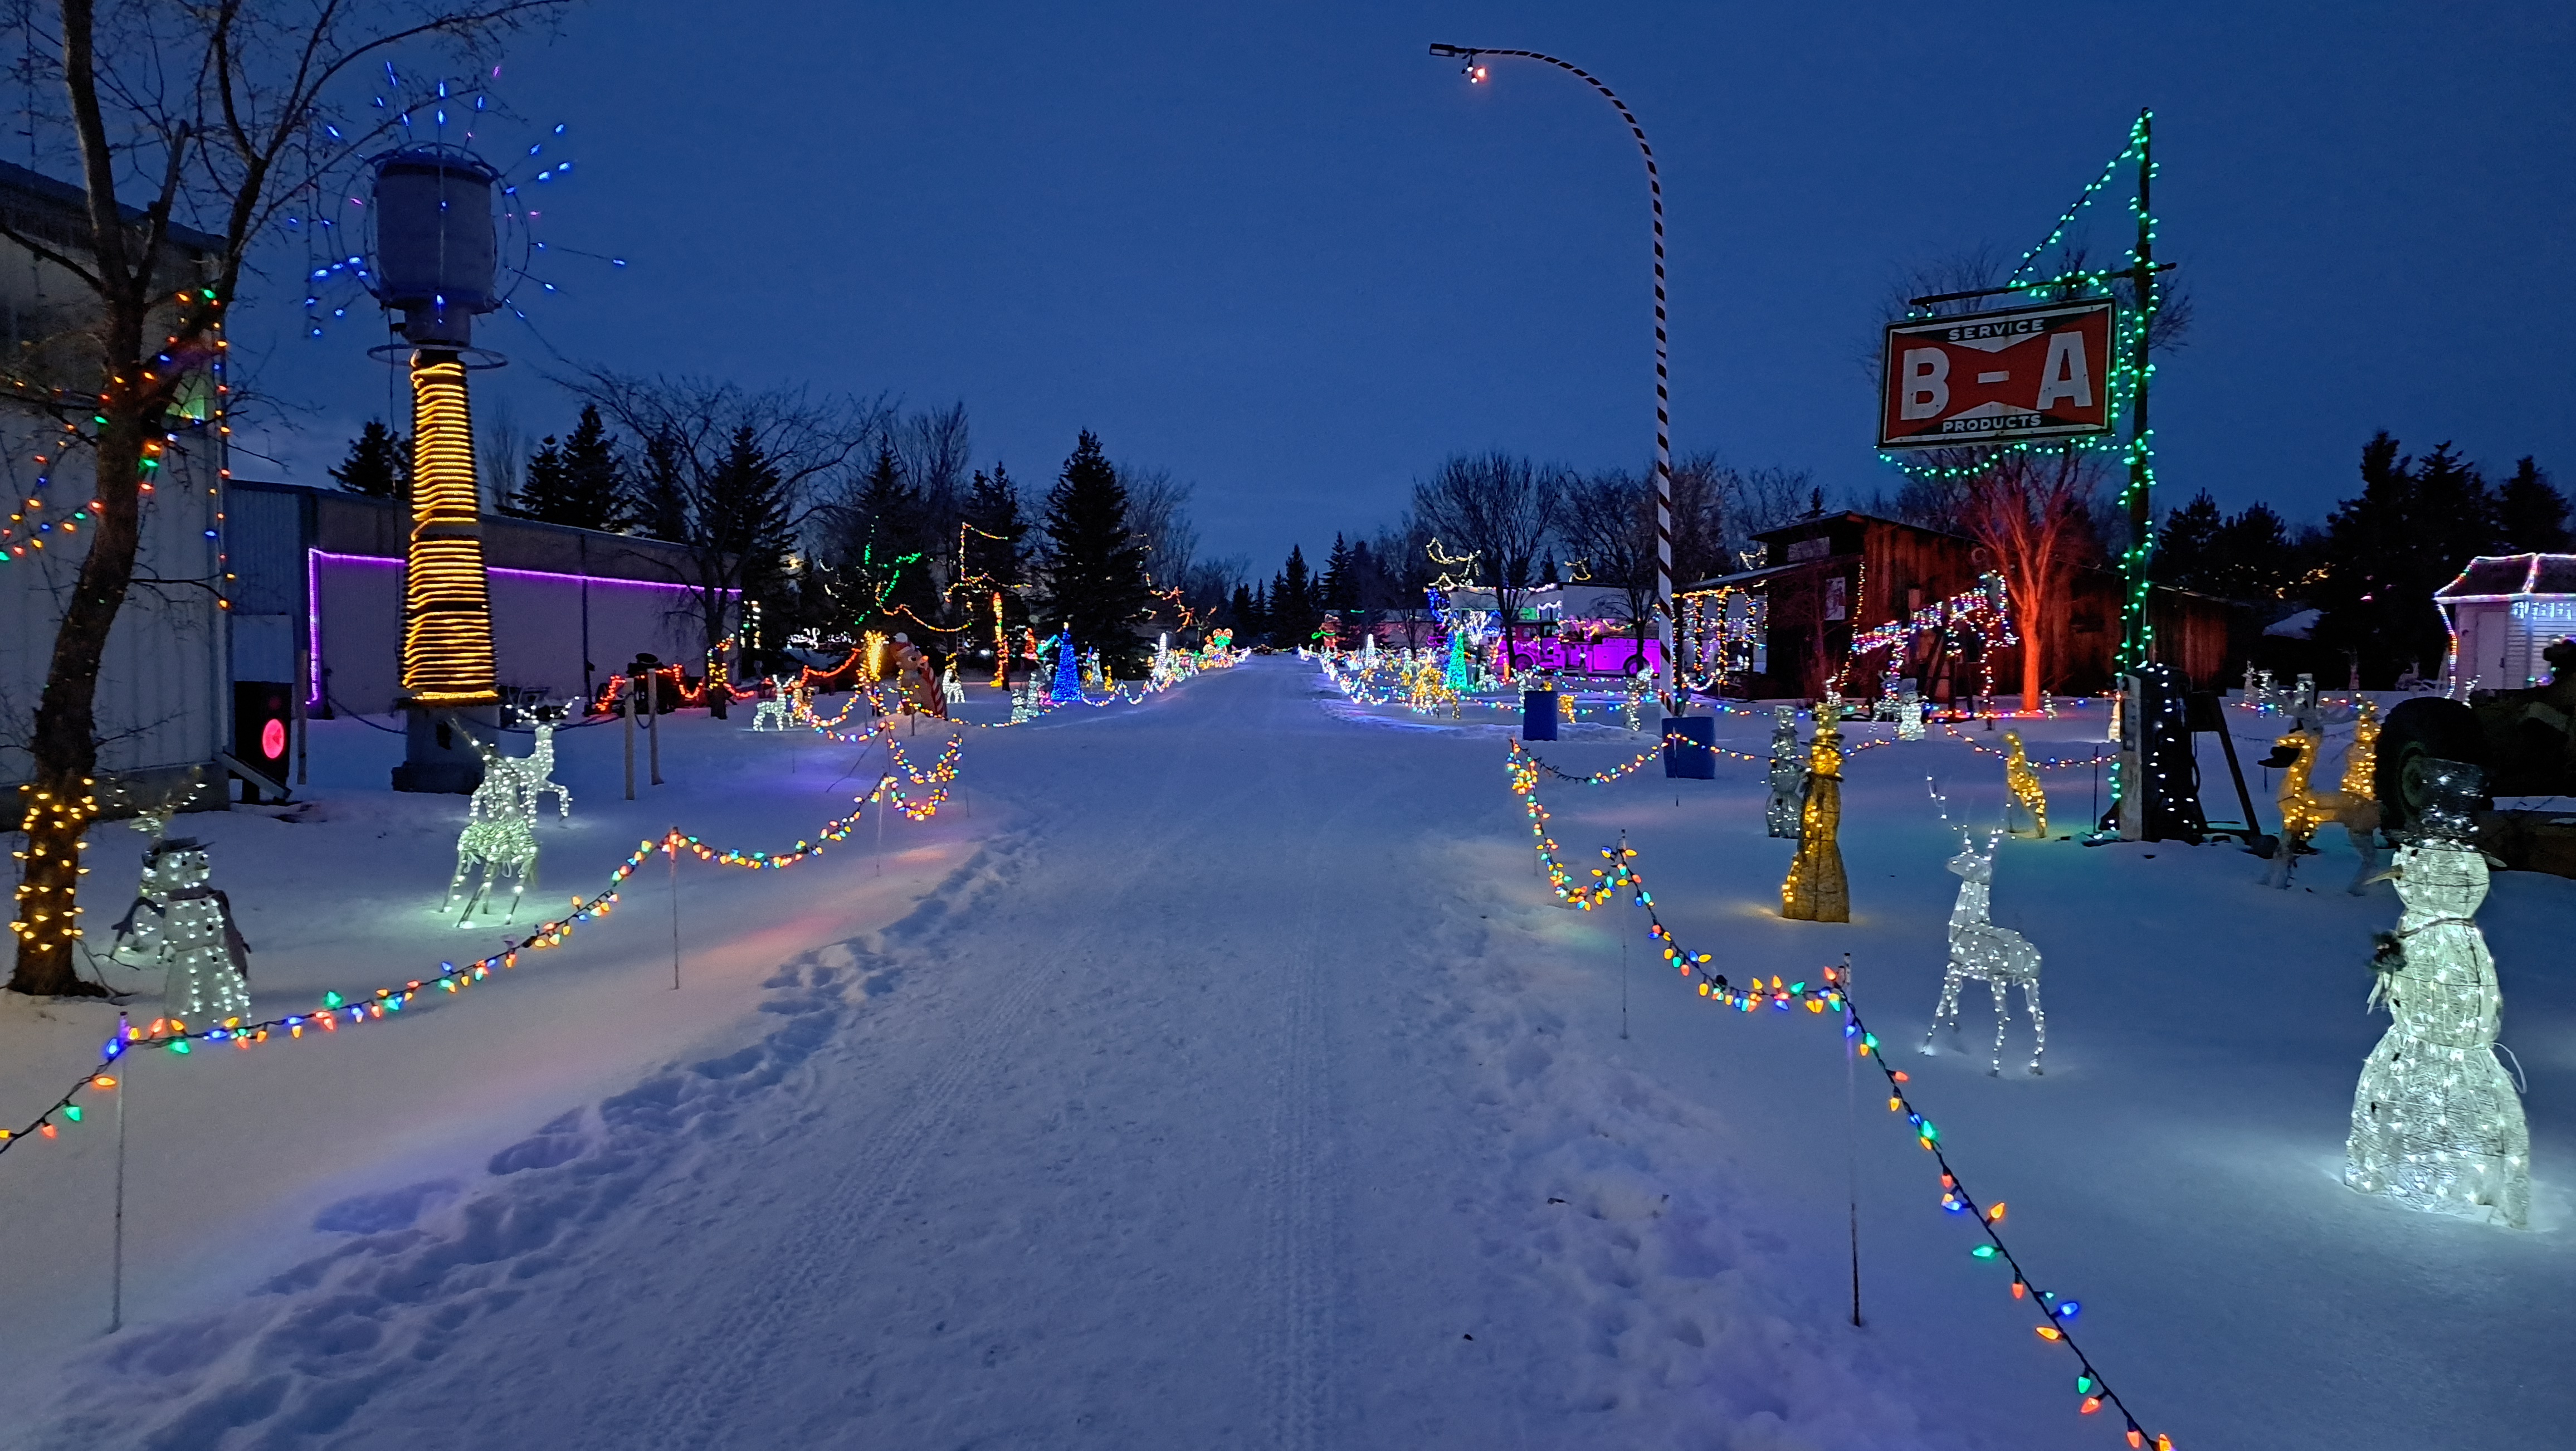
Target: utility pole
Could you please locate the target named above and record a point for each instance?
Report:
(2137, 637)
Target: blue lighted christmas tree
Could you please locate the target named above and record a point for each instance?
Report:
(1457, 678)
(1068, 669)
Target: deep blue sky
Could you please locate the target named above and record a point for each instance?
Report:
(1283, 252)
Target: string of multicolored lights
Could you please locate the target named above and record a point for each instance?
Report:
(172, 1035)
(1832, 992)
(2053, 763)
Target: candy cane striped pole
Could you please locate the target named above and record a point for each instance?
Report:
(1663, 389)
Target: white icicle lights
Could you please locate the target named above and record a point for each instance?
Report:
(2436, 1124)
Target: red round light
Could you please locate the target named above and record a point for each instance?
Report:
(272, 740)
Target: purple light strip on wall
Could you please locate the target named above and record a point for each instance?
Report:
(313, 560)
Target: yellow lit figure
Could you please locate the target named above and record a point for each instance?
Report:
(447, 608)
(1816, 890)
(2024, 781)
(2360, 761)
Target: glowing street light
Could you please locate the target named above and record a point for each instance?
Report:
(1474, 69)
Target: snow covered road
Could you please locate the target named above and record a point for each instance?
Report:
(1240, 1087)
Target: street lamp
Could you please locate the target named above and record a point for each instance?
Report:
(1474, 70)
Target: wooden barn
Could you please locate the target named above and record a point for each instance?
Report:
(1831, 579)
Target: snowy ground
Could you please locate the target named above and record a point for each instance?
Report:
(1228, 1078)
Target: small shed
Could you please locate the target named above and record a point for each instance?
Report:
(2503, 611)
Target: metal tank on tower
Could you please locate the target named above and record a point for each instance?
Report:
(435, 266)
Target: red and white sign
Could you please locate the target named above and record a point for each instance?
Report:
(1997, 377)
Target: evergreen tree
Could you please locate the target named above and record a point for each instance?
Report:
(590, 492)
(1095, 568)
(664, 496)
(1242, 613)
(2187, 551)
(2412, 527)
(2531, 515)
(543, 485)
(378, 465)
(1294, 613)
(2255, 557)
(883, 564)
(992, 556)
(743, 511)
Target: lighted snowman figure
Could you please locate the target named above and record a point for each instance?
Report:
(2436, 1124)
(180, 922)
(1788, 776)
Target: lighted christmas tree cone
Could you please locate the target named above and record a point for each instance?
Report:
(2023, 780)
(1816, 890)
(2436, 1124)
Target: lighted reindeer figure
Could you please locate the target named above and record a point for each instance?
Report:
(2304, 809)
(778, 712)
(2023, 780)
(1997, 956)
(536, 770)
(499, 838)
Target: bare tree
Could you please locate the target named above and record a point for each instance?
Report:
(217, 115)
(1610, 523)
(501, 456)
(730, 475)
(1158, 513)
(1503, 509)
(1404, 571)
(2028, 509)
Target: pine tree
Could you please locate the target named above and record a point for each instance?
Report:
(592, 493)
(664, 495)
(1242, 613)
(2414, 524)
(543, 486)
(743, 511)
(378, 465)
(883, 562)
(2256, 558)
(2187, 551)
(2531, 515)
(1294, 614)
(993, 561)
(1095, 568)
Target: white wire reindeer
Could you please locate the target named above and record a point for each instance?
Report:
(536, 770)
(499, 838)
(1997, 956)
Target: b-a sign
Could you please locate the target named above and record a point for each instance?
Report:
(1997, 377)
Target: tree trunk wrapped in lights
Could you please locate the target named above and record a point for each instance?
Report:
(447, 608)
(1816, 890)
(2436, 1124)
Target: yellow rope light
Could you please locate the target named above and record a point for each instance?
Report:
(447, 608)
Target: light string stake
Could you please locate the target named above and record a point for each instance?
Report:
(1832, 992)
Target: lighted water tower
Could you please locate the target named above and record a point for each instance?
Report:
(435, 256)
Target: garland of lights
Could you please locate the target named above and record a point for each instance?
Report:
(175, 1035)
(1832, 993)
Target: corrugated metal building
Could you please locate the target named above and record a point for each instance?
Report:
(161, 703)
(319, 599)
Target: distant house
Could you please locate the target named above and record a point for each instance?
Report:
(318, 599)
(2503, 611)
(162, 705)
(1831, 579)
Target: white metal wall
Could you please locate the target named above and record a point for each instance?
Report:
(163, 699)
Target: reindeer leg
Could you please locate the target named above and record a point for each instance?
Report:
(463, 863)
(2038, 1020)
(2003, 1015)
(1948, 1006)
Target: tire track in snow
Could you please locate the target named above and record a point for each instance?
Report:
(1296, 1230)
(847, 1210)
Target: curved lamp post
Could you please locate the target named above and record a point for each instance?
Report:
(1475, 73)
